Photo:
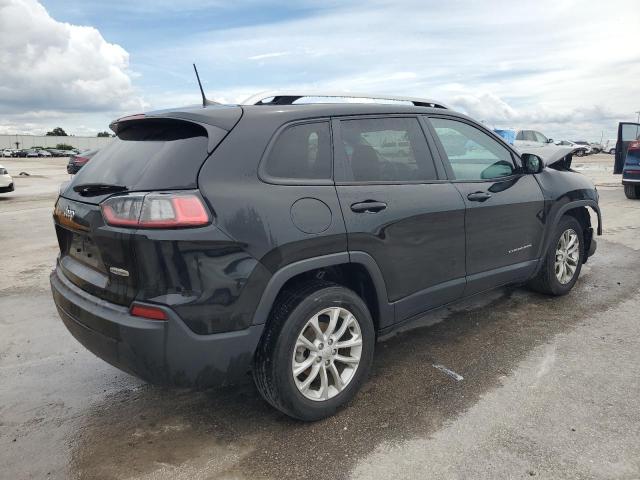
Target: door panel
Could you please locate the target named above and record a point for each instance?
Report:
(504, 209)
(627, 132)
(398, 211)
(505, 229)
(417, 240)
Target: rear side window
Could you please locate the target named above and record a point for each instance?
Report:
(151, 154)
(386, 150)
(301, 152)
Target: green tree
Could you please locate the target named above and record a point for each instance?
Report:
(57, 132)
(64, 146)
(103, 134)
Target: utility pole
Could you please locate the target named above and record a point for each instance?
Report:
(638, 120)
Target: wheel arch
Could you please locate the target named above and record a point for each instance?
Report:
(355, 270)
(579, 210)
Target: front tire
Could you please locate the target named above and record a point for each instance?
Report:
(563, 260)
(316, 351)
(632, 191)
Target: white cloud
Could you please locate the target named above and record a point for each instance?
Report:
(46, 65)
(262, 56)
(567, 65)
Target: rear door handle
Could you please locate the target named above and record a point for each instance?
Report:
(369, 206)
(478, 196)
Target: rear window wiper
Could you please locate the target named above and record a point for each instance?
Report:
(93, 189)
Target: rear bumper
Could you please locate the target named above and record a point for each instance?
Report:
(8, 188)
(164, 352)
(630, 177)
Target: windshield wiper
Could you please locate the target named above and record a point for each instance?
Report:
(93, 189)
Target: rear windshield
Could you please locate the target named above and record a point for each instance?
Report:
(150, 155)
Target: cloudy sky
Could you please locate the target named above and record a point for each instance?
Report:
(570, 68)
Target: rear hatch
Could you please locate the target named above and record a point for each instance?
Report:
(148, 155)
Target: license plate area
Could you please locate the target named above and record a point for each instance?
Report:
(83, 249)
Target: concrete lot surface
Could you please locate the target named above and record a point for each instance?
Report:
(550, 386)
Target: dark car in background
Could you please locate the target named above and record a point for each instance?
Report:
(627, 158)
(76, 162)
(280, 240)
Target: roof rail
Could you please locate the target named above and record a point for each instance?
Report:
(288, 97)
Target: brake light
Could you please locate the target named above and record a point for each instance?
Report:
(146, 311)
(155, 210)
(635, 145)
(80, 160)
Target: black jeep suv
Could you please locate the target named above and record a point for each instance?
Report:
(281, 238)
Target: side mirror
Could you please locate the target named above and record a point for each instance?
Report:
(531, 163)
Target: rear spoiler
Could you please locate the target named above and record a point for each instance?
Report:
(217, 121)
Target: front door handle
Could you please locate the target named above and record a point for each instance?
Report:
(478, 196)
(369, 206)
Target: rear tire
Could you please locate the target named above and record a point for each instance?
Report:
(333, 373)
(632, 191)
(562, 256)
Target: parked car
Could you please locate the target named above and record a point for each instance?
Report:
(627, 158)
(524, 137)
(609, 146)
(578, 149)
(76, 162)
(596, 147)
(588, 150)
(281, 239)
(6, 153)
(6, 182)
(20, 153)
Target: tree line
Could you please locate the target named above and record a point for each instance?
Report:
(59, 132)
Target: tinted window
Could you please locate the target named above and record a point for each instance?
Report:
(473, 154)
(386, 149)
(630, 132)
(301, 152)
(3, 171)
(150, 155)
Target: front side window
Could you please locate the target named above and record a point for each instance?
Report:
(472, 154)
(301, 151)
(390, 149)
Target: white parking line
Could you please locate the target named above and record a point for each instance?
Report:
(457, 377)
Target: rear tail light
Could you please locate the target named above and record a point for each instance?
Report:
(147, 311)
(155, 210)
(80, 160)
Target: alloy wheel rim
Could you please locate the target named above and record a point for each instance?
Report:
(327, 354)
(567, 256)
